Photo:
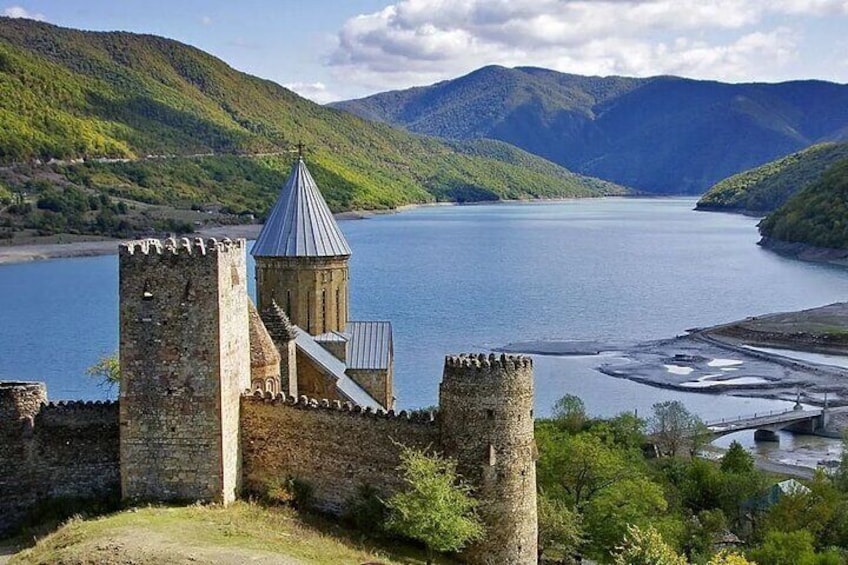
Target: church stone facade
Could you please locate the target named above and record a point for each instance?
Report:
(302, 269)
(211, 406)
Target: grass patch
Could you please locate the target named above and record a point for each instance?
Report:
(242, 532)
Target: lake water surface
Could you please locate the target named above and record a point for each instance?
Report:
(469, 278)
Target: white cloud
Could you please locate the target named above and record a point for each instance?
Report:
(21, 12)
(419, 41)
(206, 20)
(315, 91)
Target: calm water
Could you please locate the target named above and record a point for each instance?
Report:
(462, 278)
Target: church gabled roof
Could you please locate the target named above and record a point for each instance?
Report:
(300, 223)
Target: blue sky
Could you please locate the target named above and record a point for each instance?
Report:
(329, 50)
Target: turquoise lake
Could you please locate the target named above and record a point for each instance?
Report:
(469, 278)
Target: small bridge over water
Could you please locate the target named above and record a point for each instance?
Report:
(767, 424)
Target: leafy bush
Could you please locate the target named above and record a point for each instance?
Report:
(366, 510)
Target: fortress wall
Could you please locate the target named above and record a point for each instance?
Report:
(51, 451)
(330, 447)
(76, 451)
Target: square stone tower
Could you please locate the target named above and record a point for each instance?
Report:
(185, 360)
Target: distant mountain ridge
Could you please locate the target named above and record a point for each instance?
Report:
(661, 134)
(69, 94)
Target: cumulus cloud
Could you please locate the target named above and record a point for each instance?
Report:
(21, 12)
(315, 91)
(417, 41)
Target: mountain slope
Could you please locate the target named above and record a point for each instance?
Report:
(68, 94)
(817, 216)
(769, 186)
(662, 134)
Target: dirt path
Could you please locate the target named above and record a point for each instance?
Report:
(6, 553)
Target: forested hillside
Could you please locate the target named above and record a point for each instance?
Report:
(766, 188)
(662, 134)
(197, 132)
(817, 215)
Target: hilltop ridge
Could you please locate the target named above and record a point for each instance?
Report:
(661, 134)
(163, 123)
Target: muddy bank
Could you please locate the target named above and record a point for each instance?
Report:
(694, 364)
(806, 252)
(38, 252)
(41, 251)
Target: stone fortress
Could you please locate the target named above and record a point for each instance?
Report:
(218, 397)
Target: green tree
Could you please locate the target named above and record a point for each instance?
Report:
(436, 508)
(737, 460)
(726, 557)
(560, 529)
(840, 476)
(634, 501)
(673, 426)
(786, 548)
(107, 369)
(570, 413)
(645, 547)
(585, 467)
(816, 510)
(626, 430)
(703, 529)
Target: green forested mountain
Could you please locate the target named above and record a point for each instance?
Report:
(766, 188)
(68, 94)
(817, 215)
(661, 134)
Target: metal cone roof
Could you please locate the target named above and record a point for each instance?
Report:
(300, 223)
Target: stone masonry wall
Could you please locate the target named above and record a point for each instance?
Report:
(312, 382)
(184, 360)
(53, 451)
(313, 291)
(329, 446)
(234, 362)
(377, 383)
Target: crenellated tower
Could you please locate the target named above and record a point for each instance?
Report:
(486, 418)
(302, 258)
(185, 360)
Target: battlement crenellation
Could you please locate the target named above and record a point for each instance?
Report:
(305, 403)
(183, 247)
(483, 361)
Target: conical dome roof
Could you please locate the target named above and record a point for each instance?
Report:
(300, 224)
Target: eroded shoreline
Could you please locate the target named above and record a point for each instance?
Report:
(760, 357)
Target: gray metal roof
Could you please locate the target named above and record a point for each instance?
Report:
(335, 369)
(369, 345)
(300, 223)
(331, 337)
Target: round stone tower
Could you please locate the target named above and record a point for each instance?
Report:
(302, 258)
(486, 418)
(20, 402)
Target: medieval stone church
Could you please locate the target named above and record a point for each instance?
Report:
(303, 297)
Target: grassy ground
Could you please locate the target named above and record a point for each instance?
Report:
(243, 532)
